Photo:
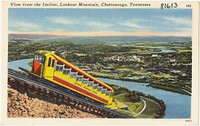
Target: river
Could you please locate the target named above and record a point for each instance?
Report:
(178, 105)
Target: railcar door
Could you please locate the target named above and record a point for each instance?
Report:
(49, 67)
(38, 65)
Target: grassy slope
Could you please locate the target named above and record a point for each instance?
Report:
(152, 109)
(133, 108)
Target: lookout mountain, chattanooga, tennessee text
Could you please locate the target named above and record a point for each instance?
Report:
(74, 4)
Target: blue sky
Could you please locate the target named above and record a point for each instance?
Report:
(101, 22)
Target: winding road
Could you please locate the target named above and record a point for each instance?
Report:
(145, 105)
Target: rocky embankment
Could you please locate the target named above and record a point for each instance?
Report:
(22, 105)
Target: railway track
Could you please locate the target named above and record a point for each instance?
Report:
(25, 83)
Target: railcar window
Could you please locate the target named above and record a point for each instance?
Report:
(90, 83)
(107, 93)
(39, 58)
(79, 77)
(53, 61)
(67, 71)
(49, 62)
(73, 74)
(104, 91)
(59, 67)
(99, 88)
(36, 57)
(85, 81)
(95, 86)
(42, 60)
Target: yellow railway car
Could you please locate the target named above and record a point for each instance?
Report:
(51, 67)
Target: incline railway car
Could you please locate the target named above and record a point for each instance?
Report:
(51, 67)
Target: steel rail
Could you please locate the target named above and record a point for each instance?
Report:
(27, 79)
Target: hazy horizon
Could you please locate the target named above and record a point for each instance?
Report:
(101, 38)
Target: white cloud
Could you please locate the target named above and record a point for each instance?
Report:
(27, 25)
(21, 26)
(132, 25)
(184, 29)
(179, 21)
(98, 25)
(61, 20)
(80, 21)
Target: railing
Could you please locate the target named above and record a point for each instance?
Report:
(84, 80)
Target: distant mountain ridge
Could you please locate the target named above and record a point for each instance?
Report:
(54, 38)
(29, 36)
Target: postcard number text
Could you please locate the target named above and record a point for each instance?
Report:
(168, 5)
